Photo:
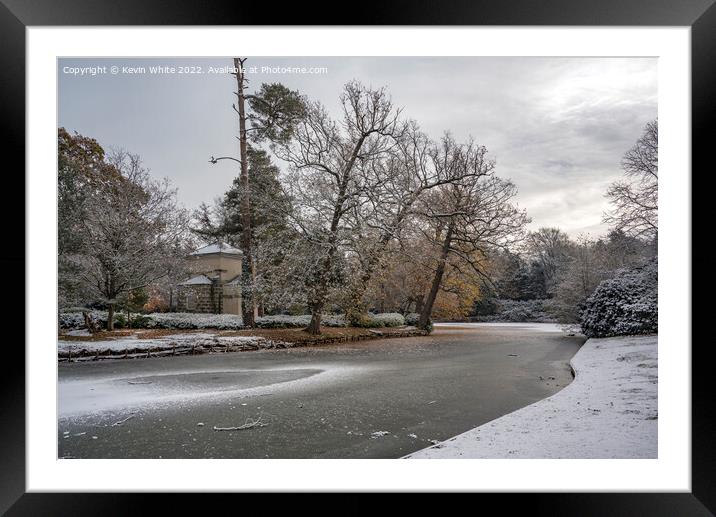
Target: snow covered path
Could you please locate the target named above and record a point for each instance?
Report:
(134, 345)
(610, 410)
(539, 327)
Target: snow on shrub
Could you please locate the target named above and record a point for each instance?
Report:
(333, 320)
(188, 320)
(302, 321)
(372, 320)
(70, 320)
(76, 320)
(519, 311)
(133, 345)
(624, 305)
(412, 319)
(523, 311)
(388, 319)
(281, 321)
(165, 320)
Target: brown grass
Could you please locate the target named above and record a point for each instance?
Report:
(297, 335)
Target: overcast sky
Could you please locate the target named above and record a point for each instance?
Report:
(557, 127)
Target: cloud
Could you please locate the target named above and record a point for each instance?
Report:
(557, 127)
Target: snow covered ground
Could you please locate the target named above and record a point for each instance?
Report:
(610, 410)
(130, 343)
(542, 327)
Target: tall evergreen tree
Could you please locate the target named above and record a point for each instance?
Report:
(273, 112)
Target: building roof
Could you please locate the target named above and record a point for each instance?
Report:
(197, 280)
(217, 247)
(234, 281)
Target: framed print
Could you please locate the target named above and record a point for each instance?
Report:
(423, 258)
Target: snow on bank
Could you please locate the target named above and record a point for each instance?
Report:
(541, 327)
(608, 411)
(130, 343)
(74, 319)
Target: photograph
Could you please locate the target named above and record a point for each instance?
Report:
(346, 257)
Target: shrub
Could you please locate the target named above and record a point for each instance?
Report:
(119, 321)
(372, 320)
(429, 326)
(75, 319)
(359, 318)
(624, 305)
(488, 306)
(523, 311)
(368, 323)
(282, 321)
(188, 320)
(388, 319)
(140, 321)
(300, 321)
(333, 320)
(519, 311)
(412, 319)
(70, 320)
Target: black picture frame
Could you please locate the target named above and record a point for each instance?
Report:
(16, 15)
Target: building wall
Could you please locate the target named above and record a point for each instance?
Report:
(202, 298)
(226, 267)
(219, 298)
(231, 300)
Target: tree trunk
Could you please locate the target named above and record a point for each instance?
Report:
(89, 322)
(315, 326)
(357, 310)
(318, 302)
(320, 297)
(253, 282)
(110, 317)
(424, 320)
(419, 304)
(247, 267)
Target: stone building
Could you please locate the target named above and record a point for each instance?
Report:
(215, 283)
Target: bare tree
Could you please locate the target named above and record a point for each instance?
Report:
(177, 269)
(468, 218)
(82, 169)
(410, 170)
(552, 248)
(327, 181)
(635, 199)
(129, 232)
(576, 280)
